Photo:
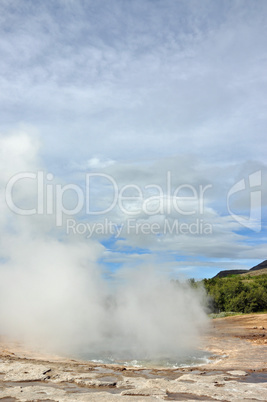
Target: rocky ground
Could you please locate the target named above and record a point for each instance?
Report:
(237, 373)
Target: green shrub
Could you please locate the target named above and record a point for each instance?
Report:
(246, 294)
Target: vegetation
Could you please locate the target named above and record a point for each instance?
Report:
(243, 294)
(223, 314)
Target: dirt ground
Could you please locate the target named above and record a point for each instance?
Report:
(241, 339)
(237, 371)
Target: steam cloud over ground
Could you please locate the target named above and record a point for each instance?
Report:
(53, 294)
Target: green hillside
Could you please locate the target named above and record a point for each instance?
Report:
(238, 293)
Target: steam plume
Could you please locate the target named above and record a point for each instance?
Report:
(53, 295)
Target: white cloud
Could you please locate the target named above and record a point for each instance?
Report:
(155, 80)
(134, 89)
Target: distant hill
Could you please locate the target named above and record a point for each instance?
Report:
(243, 292)
(262, 265)
(259, 269)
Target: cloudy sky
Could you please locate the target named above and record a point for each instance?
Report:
(165, 97)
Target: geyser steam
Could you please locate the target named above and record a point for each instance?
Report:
(53, 295)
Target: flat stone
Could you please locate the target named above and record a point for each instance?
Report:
(93, 383)
(39, 393)
(237, 372)
(17, 371)
(145, 392)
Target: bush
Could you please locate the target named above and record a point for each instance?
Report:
(244, 294)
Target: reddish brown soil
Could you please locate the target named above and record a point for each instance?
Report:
(241, 339)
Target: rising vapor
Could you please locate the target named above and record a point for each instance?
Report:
(53, 295)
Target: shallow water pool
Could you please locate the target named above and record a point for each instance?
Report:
(195, 358)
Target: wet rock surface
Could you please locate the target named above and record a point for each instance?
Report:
(239, 373)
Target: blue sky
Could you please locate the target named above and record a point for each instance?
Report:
(133, 90)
